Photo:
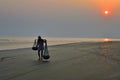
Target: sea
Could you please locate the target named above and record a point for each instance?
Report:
(8, 43)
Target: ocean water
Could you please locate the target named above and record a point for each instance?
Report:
(7, 43)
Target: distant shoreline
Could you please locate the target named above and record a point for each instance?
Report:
(60, 45)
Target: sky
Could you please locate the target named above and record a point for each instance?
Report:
(60, 18)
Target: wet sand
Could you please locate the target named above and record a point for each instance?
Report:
(75, 61)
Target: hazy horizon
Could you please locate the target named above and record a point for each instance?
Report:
(60, 18)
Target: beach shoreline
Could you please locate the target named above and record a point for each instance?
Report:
(61, 44)
(7, 43)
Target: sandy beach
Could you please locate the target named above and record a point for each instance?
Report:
(74, 61)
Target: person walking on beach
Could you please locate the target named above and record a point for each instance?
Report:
(40, 45)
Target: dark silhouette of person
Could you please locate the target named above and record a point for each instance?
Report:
(40, 45)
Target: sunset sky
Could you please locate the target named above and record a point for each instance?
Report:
(60, 18)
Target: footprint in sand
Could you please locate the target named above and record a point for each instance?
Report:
(5, 58)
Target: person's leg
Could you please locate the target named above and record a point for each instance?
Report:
(39, 54)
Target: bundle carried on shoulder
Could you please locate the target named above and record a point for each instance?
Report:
(46, 52)
(35, 45)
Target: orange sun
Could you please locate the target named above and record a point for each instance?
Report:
(106, 12)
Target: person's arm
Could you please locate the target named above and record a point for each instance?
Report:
(45, 41)
(37, 43)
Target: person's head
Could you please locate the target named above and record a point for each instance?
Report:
(39, 37)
